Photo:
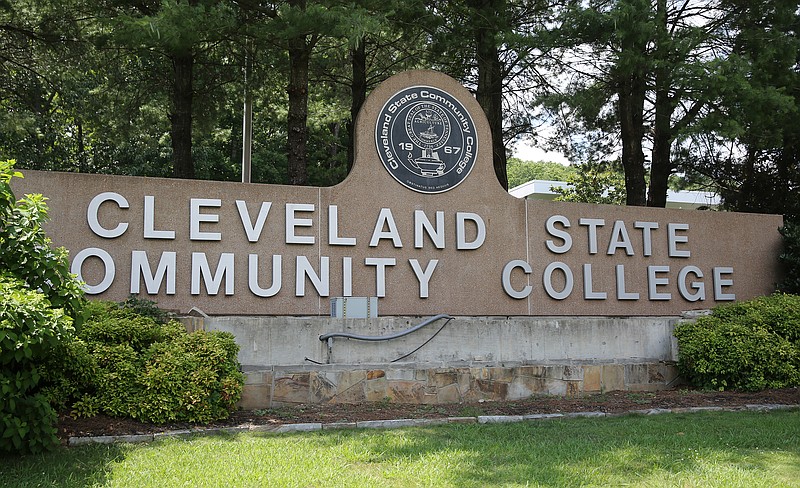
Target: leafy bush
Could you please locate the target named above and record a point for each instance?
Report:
(124, 326)
(147, 308)
(194, 378)
(29, 328)
(143, 369)
(790, 258)
(40, 302)
(748, 345)
(68, 372)
(27, 253)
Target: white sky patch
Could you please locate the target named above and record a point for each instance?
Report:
(527, 152)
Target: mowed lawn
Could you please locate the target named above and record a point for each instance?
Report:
(746, 449)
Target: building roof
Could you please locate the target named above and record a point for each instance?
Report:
(685, 199)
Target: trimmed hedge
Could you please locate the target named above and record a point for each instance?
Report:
(746, 346)
(125, 364)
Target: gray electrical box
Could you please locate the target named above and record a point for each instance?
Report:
(354, 307)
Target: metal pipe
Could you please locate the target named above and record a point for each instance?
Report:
(326, 337)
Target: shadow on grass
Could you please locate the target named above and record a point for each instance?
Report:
(62, 467)
(720, 449)
(711, 447)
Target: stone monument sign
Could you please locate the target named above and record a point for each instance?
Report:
(421, 223)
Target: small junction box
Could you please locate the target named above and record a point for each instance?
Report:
(354, 307)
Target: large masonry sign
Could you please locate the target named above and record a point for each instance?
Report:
(421, 222)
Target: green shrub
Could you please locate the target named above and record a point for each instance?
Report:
(68, 373)
(40, 302)
(124, 326)
(748, 345)
(150, 371)
(146, 308)
(26, 252)
(195, 378)
(117, 389)
(790, 258)
(29, 329)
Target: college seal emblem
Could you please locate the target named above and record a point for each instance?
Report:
(426, 139)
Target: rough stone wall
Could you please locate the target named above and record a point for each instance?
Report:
(419, 384)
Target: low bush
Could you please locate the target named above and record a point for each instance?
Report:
(125, 364)
(125, 326)
(748, 345)
(193, 378)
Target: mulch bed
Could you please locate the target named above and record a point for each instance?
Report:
(611, 402)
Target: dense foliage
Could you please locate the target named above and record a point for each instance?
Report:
(127, 359)
(790, 258)
(706, 91)
(127, 364)
(520, 172)
(594, 183)
(29, 329)
(39, 301)
(748, 345)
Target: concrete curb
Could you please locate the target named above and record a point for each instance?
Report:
(398, 423)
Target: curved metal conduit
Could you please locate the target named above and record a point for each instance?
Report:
(329, 337)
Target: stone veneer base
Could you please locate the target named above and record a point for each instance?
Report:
(432, 384)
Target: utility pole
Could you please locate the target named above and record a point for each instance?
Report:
(247, 124)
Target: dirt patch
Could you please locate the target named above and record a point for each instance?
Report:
(611, 402)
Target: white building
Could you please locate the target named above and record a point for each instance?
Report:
(685, 199)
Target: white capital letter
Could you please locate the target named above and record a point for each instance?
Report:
(719, 282)
(333, 229)
(292, 221)
(461, 232)
(320, 281)
(674, 239)
(423, 276)
(593, 224)
(561, 234)
(385, 218)
(200, 268)
(108, 264)
(94, 207)
(380, 273)
(140, 267)
(195, 218)
(547, 278)
(253, 231)
(510, 291)
(252, 276)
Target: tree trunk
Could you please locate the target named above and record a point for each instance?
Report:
(631, 86)
(490, 78)
(631, 111)
(747, 190)
(661, 165)
(299, 56)
(358, 90)
(181, 116)
(82, 163)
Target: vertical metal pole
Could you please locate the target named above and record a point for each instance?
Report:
(247, 125)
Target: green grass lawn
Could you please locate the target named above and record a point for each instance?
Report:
(710, 449)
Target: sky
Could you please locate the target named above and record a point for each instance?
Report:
(526, 152)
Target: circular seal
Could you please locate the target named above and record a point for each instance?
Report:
(426, 139)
